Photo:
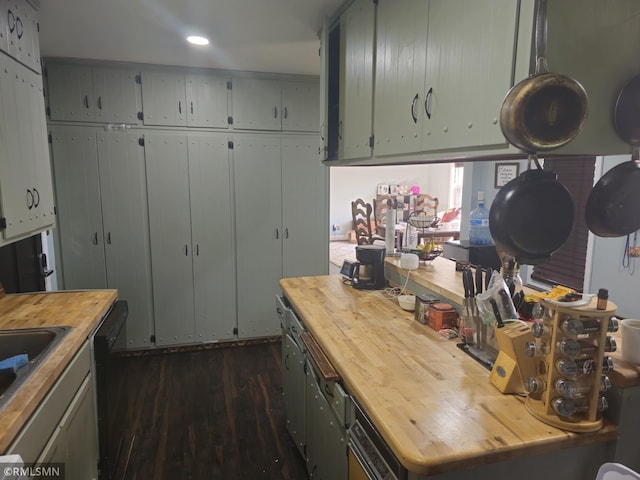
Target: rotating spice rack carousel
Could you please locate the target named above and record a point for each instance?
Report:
(567, 364)
(419, 219)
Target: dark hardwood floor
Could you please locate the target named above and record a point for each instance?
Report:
(212, 414)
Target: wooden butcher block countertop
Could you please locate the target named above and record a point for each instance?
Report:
(81, 310)
(432, 403)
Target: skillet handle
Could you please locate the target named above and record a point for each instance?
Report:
(541, 37)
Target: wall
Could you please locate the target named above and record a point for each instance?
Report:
(349, 183)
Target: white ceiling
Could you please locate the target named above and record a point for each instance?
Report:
(253, 35)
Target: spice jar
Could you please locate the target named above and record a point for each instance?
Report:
(603, 296)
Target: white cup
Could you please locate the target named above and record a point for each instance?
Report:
(630, 333)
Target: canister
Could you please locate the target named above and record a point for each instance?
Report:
(422, 306)
(441, 315)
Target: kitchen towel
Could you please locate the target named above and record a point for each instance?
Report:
(13, 364)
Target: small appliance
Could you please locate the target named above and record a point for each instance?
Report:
(369, 268)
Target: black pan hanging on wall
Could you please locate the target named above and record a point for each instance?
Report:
(532, 215)
(613, 206)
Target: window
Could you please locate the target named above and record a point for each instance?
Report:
(455, 185)
(566, 266)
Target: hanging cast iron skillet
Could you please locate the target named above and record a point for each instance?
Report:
(531, 216)
(546, 110)
(613, 206)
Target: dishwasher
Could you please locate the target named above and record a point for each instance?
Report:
(369, 456)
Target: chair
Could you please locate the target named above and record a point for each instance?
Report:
(428, 204)
(361, 216)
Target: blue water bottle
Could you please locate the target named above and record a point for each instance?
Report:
(479, 233)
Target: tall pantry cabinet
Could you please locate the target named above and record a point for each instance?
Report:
(191, 237)
(102, 218)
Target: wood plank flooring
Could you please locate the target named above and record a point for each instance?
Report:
(213, 414)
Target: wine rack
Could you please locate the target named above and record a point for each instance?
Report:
(570, 361)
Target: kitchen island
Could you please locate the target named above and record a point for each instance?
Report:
(433, 405)
(80, 310)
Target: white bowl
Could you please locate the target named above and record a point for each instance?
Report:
(407, 302)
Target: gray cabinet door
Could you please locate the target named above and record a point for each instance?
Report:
(212, 237)
(116, 95)
(21, 33)
(300, 106)
(357, 37)
(71, 93)
(170, 230)
(294, 388)
(305, 186)
(399, 78)
(123, 188)
(468, 71)
(257, 104)
(257, 169)
(207, 100)
(163, 98)
(79, 211)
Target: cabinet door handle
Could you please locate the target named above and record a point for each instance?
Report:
(275, 112)
(186, 250)
(322, 132)
(286, 361)
(197, 250)
(179, 106)
(29, 199)
(37, 198)
(277, 234)
(286, 233)
(100, 103)
(427, 103)
(94, 238)
(286, 113)
(414, 116)
(191, 107)
(108, 238)
(11, 21)
(85, 101)
(19, 28)
(340, 130)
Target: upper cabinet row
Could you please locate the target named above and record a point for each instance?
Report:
(428, 77)
(207, 99)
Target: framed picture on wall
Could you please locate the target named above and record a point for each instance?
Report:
(505, 172)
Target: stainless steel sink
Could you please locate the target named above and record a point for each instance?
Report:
(37, 343)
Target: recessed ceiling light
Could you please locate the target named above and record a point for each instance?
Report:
(197, 40)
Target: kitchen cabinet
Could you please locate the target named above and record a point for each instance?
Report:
(357, 34)
(454, 78)
(294, 381)
(281, 209)
(179, 99)
(270, 104)
(63, 428)
(103, 221)
(25, 182)
(19, 33)
(192, 253)
(85, 93)
(326, 452)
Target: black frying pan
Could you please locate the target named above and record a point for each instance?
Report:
(531, 216)
(546, 110)
(613, 206)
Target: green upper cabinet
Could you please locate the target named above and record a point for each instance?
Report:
(275, 105)
(439, 80)
(207, 100)
(399, 77)
(357, 33)
(19, 33)
(83, 93)
(468, 72)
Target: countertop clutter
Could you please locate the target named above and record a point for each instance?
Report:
(81, 310)
(433, 405)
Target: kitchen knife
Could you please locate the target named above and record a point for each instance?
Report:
(472, 292)
(478, 280)
(496, 313)
(487, 278)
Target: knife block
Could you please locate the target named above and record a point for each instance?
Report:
(512, 365)
(548, 404)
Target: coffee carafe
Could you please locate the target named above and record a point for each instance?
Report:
(369, 269)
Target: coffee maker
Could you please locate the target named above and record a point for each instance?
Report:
(368, 273)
